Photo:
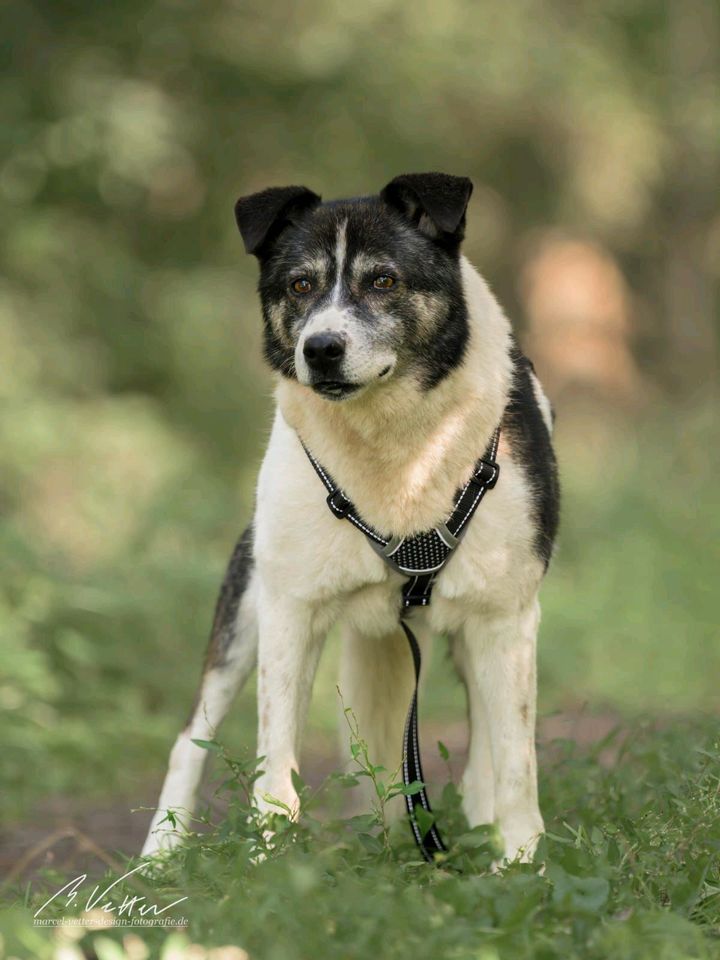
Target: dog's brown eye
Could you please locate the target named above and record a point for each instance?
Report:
(383, 282)
(302, 285)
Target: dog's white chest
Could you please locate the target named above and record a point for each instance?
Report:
(312, 555)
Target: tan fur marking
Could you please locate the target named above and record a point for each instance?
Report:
(277, 312)
(430, 311)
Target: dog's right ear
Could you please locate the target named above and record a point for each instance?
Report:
(261, 216)
(434, 202)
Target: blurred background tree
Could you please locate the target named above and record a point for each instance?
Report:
(134, 403)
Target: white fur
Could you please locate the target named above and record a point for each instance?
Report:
(340, 254)
(542, 402)
(400, 452)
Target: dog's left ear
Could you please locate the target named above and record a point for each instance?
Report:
(434, 202)
(262, 216)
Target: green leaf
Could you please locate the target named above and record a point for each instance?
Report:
(370, 843)
(210, 745)
(578, 894)
(345, 779)
(412, 788)
(169, 818)
(443, 750)
(363, 821)
(275, 802)
(481, 836)
(425, 819)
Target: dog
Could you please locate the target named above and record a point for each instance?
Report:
(394, 366)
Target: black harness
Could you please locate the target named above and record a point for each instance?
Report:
(421, 559)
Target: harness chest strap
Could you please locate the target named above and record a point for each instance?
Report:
(420, 559)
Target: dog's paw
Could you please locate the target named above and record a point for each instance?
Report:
(160, 843)
(164, 835)
(521, 838)
(276, 798)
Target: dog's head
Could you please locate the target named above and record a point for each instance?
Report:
(356, 292)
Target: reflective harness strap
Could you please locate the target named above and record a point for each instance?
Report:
(420, 559)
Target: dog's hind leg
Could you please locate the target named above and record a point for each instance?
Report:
(376, 684)
(230, 659)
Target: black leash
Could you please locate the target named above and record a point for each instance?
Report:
(420, 558)
(429, 841)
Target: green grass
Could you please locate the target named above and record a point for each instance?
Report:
(631, 870)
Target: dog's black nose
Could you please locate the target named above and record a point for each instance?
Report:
(323, 351)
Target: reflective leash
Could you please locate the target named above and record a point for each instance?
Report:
(429, 842)
(420, 558)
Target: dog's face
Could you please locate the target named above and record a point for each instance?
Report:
(357, 292)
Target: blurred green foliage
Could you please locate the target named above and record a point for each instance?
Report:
(630, 872)
(133, 402)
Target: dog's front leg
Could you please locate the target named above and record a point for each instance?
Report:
(500, 664)
(288, 653)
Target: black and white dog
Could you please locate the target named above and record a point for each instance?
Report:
(395, 365)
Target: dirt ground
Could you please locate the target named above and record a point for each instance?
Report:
(74, 836)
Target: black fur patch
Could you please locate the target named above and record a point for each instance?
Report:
(261, 215)
(233, 587)
(447, 348)
(430, 342)
(531, 448)
(439, 197)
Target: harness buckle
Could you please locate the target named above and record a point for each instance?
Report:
(414, 600)
(339, 503)
(487, 474)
